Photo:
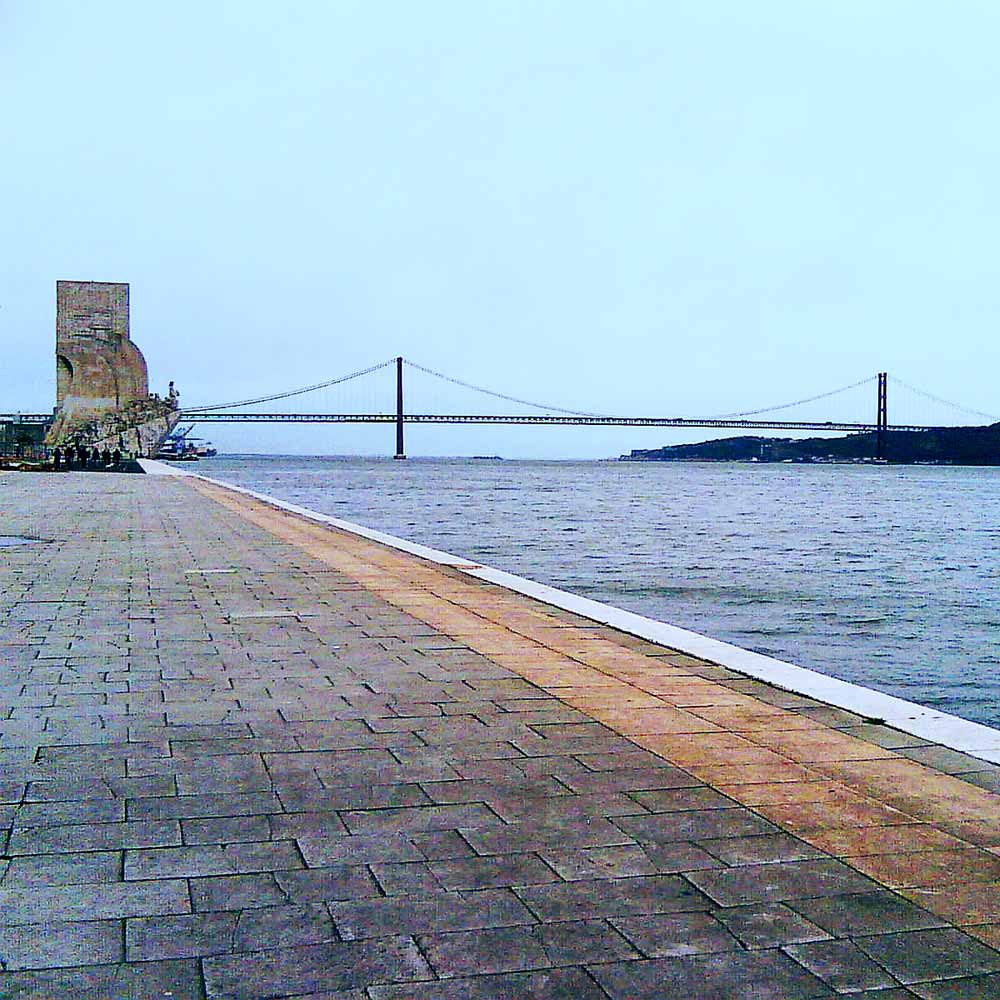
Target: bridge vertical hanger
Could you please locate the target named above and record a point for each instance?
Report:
(400, 453)
(882, 417)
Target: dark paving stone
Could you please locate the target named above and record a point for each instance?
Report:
(223, 932)
(695, 825)
(321, 884)
(94, 837)
(155, 786)
(442, 845)
(286, 826)
(672, 935)
(776, 882)
(225, 830)
(93, 902)
(547, 745)
(944, 759)
(326, 849)
(501, 870)
(12, 791)
(182, 936)
(769, 926)
(564, 808)
(679, 857)
(884, 736)
(227, 745)
(631, 758)
(526, 836)
(405, 878)
(196, 806)
(378, 768)
(517, 768)
(512, 949)
(458, 729)
(353, 797)
(215, 775)
(331, 966)
(59, 813)
(917, 956)
(211, 859)
(62, 869)
(284, 927)
(865, 913)
(578, 941)
(760, 850)
(68, 789)
(627, 859)
(613, 897)
(236, 892)
(725, 976)
(627, 779)
(437, 912)
(990, 780)
(841, 965)
(136, 981)
(497, 949)
(548, 984)
(899, 993)
(56, 944)
(447, 817)
(677, 799)
(107, 751)
(974, 988)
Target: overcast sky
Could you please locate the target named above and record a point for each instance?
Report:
(621, 207)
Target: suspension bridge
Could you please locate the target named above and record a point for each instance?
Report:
(761, 418)
(758, 419)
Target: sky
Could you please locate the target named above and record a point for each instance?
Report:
(634, 207)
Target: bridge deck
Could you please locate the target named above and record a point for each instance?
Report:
(245, 755)
(540, 420)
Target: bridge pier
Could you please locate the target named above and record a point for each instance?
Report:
(400, 451)
(882, 416)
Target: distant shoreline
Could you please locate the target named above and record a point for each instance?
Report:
(971, 446)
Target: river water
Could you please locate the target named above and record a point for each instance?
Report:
(885, 576)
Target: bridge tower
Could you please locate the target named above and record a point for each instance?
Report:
(882, 416)
(400, 452)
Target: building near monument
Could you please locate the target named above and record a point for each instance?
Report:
(22, 439)
(102, 383)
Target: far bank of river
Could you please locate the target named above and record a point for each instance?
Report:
(937, 446)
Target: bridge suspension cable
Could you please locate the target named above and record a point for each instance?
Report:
(797, 402)
(945, 402)
(500, 395)
(292, 392)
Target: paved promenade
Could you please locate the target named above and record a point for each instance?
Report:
(247, 756)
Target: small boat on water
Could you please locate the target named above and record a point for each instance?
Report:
(178, 446)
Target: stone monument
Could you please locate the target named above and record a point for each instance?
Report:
(102, 384)
(98, 368)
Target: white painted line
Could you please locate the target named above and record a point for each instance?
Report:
(929, 724)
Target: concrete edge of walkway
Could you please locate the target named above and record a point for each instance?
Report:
(972, 738)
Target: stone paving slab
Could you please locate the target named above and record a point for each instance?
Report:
(242, 755)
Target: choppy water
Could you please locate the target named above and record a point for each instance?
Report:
(883, 576)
